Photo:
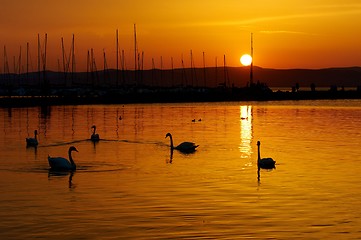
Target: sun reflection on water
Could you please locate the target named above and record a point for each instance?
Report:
(246, 133)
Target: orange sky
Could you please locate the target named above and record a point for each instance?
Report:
(287, 34)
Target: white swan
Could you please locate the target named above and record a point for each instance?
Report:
(32, 142)
(94, 137)
(266, 163)
(60, 163)
(186, 147)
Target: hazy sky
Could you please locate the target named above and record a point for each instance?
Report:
(287, 34)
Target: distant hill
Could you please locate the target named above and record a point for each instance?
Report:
(197, 77)
(347, 77)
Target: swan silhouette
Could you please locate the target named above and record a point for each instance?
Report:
(94, 137)
(32, 142)
(266, 163)
(63, 164)
(185, 147)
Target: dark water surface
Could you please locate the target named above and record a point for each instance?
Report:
(129, 186)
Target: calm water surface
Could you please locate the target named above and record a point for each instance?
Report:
(129, 186)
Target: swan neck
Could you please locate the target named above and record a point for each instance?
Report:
(259, 153)
(71, 159)
(171, 141)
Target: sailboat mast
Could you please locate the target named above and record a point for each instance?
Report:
(44, 63)
(251, 69)
(39, 73)
(123, 67)
(117, 56)
(161, 70)
(45, 46)
(27, 61)
(105, 69)
(135, 54)
(216, 68)
(5, 60)
(6, 66)
(192, 68)
(171, 60)
(153, 72)
(64, 68)
(139, 67)
(225, 71)
(92, 63)
(87, 67)
(184, 77)
(104, 65)
(19, 61)
(204, 69)
(142, 68)
(72, 59)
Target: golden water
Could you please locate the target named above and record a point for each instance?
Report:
(129, 186)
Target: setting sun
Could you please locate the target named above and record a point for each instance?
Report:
(246, 60)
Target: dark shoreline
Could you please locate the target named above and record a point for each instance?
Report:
(171, 96)
(177, 85)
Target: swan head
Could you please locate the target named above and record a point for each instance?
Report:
(258, 143)
(168, 135)
(72, 148)
(36, 132)
(94, 127)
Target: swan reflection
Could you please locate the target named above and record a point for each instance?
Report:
(54, 173)
(170, 160)
(33, 148)
(259, 173)
(95, 143)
